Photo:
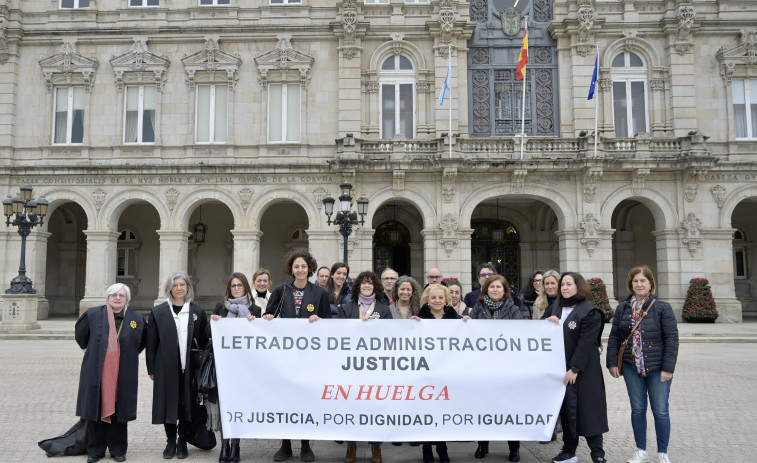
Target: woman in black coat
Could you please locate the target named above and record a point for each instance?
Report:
(584, 408)
(112, 337)
(366, 303)
(298, 299)
(173, 329)
(237, 302)
(648, 361)
(495, 303)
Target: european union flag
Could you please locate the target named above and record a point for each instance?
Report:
(594, 77)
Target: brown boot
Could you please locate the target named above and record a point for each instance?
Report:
(351, 455)
(376, 453)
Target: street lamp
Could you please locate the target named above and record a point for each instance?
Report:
(28, 214)
(346, 218)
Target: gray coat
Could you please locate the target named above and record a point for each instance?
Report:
(509, 312)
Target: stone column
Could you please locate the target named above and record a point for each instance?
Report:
(173, 256)
(246, 252)
(714, 261)
(325, 245)
(101, 266)
(669, 279)
(37, 243)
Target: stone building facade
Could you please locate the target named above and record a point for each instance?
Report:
(139, 119)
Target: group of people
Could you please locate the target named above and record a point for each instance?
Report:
(113, 335)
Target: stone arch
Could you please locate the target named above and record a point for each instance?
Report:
(663, 210)
(731, 201)
(189, 202)
(636, 45)
(392, 47)
(316, 218)
(425, 207)
(563, 208)
(58, 196)
(116, 204)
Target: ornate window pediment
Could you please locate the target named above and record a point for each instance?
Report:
(284, 63)
(211, 65)
(139, 66)
(744, 54)
(69, 67)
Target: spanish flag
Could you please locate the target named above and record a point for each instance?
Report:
(520, 72)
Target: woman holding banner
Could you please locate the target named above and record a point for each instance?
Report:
(237, 302)
(550, 282)
(366, 305)
(261, 280)
(495, 303)
(338, 287)
(406, 295)
(584, 408)
(298, 299)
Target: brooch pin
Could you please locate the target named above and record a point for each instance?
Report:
(311, 308)
(194, 316)
(572, 324)
(376, 315)
(133, 324)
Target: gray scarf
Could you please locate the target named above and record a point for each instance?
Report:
(237, 308)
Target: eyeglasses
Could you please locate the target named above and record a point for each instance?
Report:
(237, 286)
(537, 282)
(118, 296)
(179, 285)
(434, 277)
(388, 278)
(485, 275)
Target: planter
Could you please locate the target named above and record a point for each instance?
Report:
(699, 320)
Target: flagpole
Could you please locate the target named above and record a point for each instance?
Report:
(596, 109)
(523, 107)
(449, 66)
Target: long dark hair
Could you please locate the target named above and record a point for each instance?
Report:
(247, 290)
(363, 277)
(583, 288)
(330, 288)
(528, 292)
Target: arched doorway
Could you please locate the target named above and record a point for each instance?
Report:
(496, 242)
(66, 262)
(633, 242)
(397, 241)
(138, 253)
(210, 257)
(744, 221)
(284, 225)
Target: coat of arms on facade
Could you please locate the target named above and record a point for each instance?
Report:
(510, 22)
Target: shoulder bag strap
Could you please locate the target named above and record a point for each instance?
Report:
(638, 323)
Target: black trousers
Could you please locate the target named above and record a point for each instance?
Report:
(101, 435)
(183, 426)
(570, 444)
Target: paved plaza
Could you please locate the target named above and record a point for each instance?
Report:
(712, 406)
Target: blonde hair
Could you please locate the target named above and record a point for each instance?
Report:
(435, 286)
(540, 305)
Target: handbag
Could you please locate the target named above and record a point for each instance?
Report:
(624, 344)
(205, 374)
(198, 433)
(72, 442)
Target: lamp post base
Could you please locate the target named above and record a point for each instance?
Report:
(19, 312)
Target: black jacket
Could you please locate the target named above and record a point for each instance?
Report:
(659, 336)
(449, 313)
(352, 310)
(315, 301)
(163, 360)
(91, 333)
(509, 312)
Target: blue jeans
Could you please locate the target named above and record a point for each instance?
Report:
(638, 389)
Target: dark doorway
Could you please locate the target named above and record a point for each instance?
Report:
(391, 248)
(496, 242)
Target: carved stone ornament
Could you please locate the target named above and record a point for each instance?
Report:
(692, 225)
(397, 42)
(510, 19)
(278, 65)
(99, 198)
(130, 67)
(398, 182)
(372, 86)
(245, 197)
(657, 84)
(446, 24)
(590, 225)
(591, 176)
(214, 65)
(69, 67)
(318, 194)
(449, 179)
(519, 178)
(422, 86)
(692, 184)
(718, 194)
(4, 49)
(586, 17)
(349, 25)
(745, 53)
(449, 229)
(685, 16)
(639, 180)
(172, 195)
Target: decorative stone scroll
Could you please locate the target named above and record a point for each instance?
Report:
(69, 67)
(692, 184)
(638, 181)
(693, 239)
(212, 60)
(518, 180)
(718, 194)
(318, 195)
(130, 67)
(590, 225)
(591, 176)
(398, 182)
(172, 196)
(586, 16)
(282, 60)
(742, 55)
(449, 178)
(98, 197)
(449, 229)
(245, 197)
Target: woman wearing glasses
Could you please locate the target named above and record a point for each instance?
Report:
(530, 292)
(112, 338)
(172, 330)
(237, 302)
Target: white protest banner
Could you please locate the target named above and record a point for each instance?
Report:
(389, 380)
